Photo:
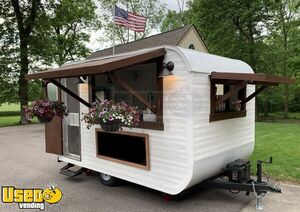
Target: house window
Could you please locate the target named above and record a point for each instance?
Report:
(227, 101)
(191, 46)
(137, 85)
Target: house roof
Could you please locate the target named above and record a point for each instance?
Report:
(171, 38)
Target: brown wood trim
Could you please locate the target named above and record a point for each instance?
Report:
(227, 115)
(71, 93)
(251, 78)
(135, 93)
(98, 66)
(146, 136)
(151, 125)
(258, 91)
(160, 89)
(231, 92)
(213, 97)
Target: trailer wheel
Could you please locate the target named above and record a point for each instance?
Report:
(108, 180)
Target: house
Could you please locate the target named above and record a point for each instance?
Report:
(185, 37)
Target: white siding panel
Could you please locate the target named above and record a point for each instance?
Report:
(220, 142)
(170, 150)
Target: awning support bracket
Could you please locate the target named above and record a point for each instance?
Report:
(71, 93)
(258, 91)
(135, 93)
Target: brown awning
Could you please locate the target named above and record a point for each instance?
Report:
(261, 79)
(92, 67)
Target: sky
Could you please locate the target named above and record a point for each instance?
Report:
(95, 44)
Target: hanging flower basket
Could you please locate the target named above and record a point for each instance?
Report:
(43, 119)
(45, 110)
(112, 117)
(111, 126)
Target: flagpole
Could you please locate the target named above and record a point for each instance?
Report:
(114, 28)
(127, 28)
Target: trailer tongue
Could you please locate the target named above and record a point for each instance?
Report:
(236, 177)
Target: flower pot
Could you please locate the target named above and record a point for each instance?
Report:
(43, 119)
(111, 126)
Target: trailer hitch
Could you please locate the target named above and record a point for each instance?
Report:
(237, 178)
(259, 171)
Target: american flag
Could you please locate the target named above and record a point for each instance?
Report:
(132, 21)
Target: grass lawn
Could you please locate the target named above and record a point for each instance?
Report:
(9, 107)
(282, 141)
(11, 120)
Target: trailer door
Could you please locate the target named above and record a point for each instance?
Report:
(71, 123)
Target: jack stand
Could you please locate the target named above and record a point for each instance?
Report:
(259, 203)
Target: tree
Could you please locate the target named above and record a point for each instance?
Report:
(232, 28)
(35, 35)
(174, 19)
(285, 38)
(151, 9)
(19, 20)
(62, 30)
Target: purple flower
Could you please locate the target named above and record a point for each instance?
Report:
(110, 118)
(29, 118)
(41, 111)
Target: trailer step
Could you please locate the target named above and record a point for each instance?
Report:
(70, 173)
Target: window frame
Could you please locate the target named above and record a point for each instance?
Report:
(241, 92)
(158, 124)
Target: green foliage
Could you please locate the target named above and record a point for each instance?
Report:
(62, 30)
(6, 121)
(151, 9)
(232, 28)
(173, 20)
(35, 34)
(281, 141)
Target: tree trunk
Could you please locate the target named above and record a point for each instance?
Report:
(23, 84)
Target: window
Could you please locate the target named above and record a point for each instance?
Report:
(191, 46)
(227, 101)
(52, 92)
(137, 85)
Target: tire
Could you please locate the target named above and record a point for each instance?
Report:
(108, 180)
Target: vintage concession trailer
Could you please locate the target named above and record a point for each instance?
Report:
(190, 129)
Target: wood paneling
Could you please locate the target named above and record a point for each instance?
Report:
(53, 136)
(93, 67)
(227, 115)
(264, 79)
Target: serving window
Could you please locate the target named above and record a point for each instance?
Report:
(228, 92)
(137, 85)
(227, 101)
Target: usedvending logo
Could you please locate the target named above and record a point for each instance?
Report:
(31, 198)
